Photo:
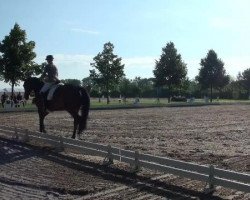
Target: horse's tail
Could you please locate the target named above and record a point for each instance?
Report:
(85, 105)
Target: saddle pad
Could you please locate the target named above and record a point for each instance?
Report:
(52, 90)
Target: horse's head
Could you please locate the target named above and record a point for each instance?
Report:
(27, 88)
(31, 84)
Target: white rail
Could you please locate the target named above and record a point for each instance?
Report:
(213, 176)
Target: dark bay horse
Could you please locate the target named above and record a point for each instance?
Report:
(66, 97)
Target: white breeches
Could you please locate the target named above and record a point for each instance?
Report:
(46, 87)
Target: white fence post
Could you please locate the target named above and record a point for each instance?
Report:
(137, 162)
(108, 160)
(211, 187)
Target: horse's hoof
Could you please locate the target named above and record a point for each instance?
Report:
(79, 137)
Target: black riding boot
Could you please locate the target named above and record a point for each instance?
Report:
(43, 101)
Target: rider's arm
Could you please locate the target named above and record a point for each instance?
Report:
(56, 73)
(44, 73)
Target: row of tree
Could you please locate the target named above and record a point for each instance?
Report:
(145, 87)
(107, 76)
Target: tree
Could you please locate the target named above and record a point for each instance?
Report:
(94, 90)
(108, 69)
(194, 89)
(170, 70)
(125, 87)
(87, 81)
(244, 79)
(74, 82)
(145, 86)
(212, 73)
(183, 87)
(16, 60)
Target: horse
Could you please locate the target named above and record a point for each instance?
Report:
(73, 99)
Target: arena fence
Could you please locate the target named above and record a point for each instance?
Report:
(211, 175)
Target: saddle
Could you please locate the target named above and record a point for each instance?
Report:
(52, 90)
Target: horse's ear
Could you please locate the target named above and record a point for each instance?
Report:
(26, 78)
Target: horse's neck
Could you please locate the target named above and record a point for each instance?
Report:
(38, 88)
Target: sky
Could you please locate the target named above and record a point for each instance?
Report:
(74, 31)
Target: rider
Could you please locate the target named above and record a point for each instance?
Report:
(49, 75)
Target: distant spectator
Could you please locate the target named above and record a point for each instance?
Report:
(13, 99)
(3, 98)
(19, 98)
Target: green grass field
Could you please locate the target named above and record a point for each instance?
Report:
(143, 102)
(153, 102)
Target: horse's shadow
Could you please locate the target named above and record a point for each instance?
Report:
(23, 151)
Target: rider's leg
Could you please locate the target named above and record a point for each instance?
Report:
(44, 89)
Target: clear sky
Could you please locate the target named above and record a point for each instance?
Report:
(74, 31)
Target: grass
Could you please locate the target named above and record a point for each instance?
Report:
(163, 101)
(144, 102)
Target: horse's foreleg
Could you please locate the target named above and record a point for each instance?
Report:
(75, 127)
(42, 115)
(41, 123)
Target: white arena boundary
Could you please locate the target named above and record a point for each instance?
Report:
(210, 174)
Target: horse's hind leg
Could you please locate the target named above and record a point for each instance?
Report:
(76, 123)
(82, 124)
(75, 127)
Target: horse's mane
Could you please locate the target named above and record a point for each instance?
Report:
(36, 82)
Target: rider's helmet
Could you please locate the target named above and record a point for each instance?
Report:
(49, 57)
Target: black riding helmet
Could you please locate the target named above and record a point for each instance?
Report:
(49, 57)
